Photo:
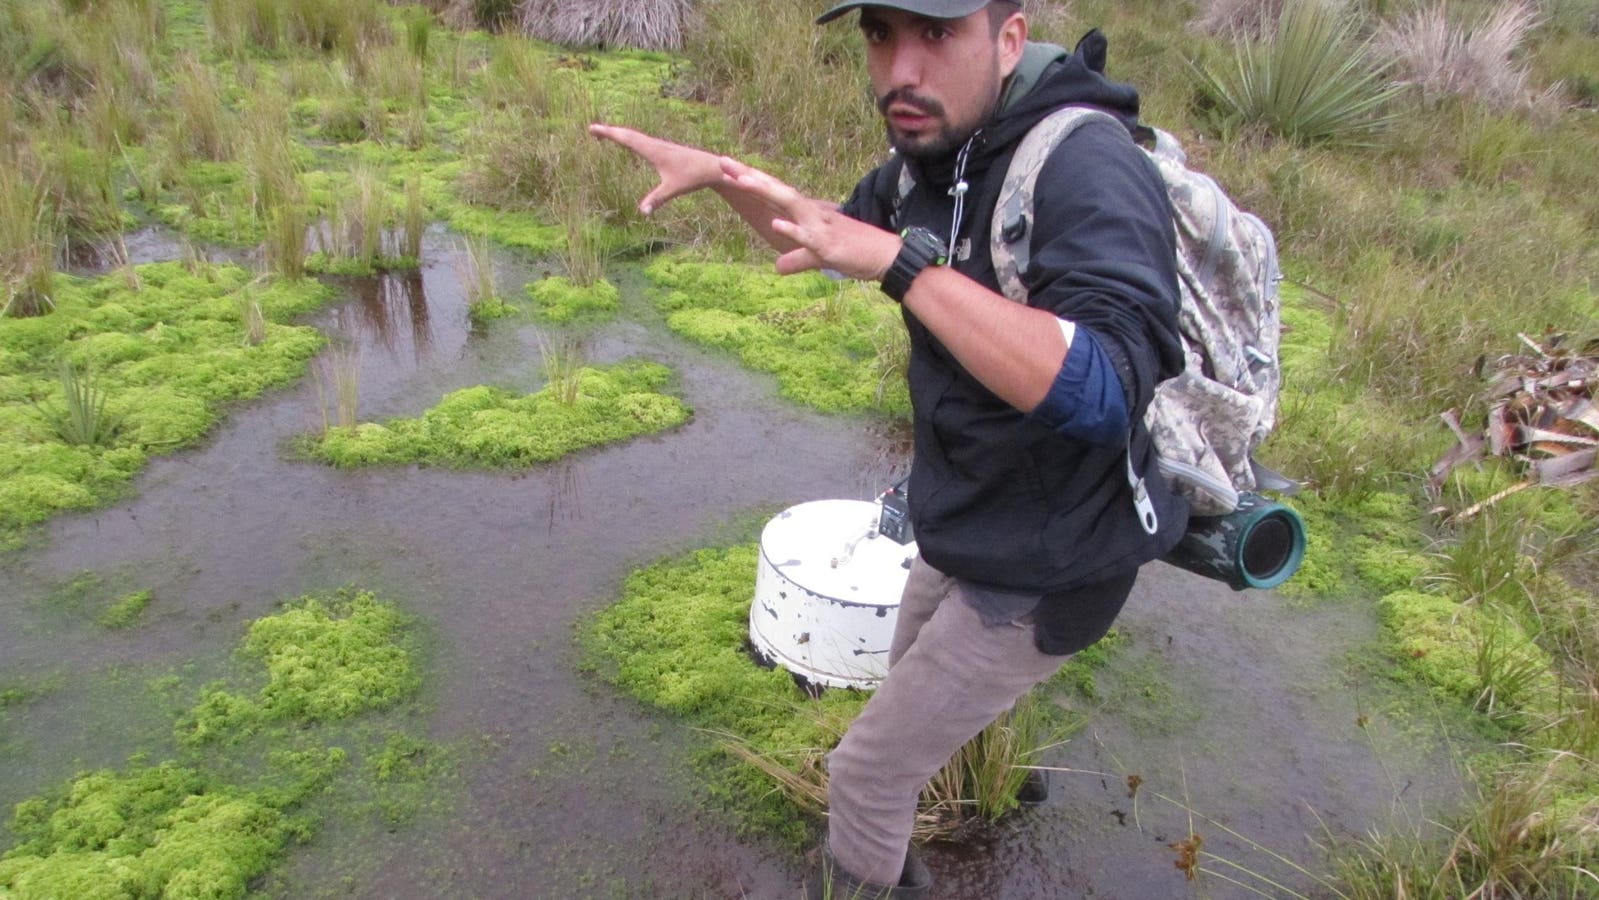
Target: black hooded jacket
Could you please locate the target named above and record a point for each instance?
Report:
(997, 497)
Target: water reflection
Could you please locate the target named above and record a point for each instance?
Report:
(389, 311)
(567, 487)
(150, 244)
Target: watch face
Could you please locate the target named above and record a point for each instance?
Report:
(928, 243)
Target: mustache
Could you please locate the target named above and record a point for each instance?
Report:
(924, 105)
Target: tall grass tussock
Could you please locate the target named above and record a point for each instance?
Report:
(338, 385)
(474, 263)
(638, 24)
(1449, 58)
(202, 119)
(27, 246)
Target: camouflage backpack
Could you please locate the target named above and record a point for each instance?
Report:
(1208, 420)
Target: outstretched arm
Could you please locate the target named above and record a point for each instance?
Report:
(684, 170)
(1015, 350)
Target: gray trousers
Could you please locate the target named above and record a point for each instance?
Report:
(949, 677)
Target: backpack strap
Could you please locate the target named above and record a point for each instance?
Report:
(1010, 240)
(903, 187)
(1010, 236)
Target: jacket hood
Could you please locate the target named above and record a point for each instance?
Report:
(1047, 78)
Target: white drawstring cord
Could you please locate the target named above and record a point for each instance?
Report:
(959, 189)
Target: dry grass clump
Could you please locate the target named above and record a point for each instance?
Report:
(276, 192)
(1522, 840)
(561, 360)
(1446, 58)
(979, 783)
(27, 245)
(535, 153)
(1239, 18)
(791, 90)
(337, 374)
(413, 221)
(44, 50)
(474, 264)
(641, 24)
(517, 78)
(346, 27)
(583, 253)
(354, 227)
(202, 120)
(459, 14)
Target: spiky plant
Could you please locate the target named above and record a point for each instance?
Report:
(785, 92)
(517, 77)
(1311, 82)
(984, 776)
(81, 418)
(1518, 841)
(228, 24)
(268, 155)
(121, 262)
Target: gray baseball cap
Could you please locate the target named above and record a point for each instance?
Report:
(936, 9)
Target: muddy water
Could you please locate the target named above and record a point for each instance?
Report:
(1237, 707)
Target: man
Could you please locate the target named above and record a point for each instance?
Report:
(1031, 458)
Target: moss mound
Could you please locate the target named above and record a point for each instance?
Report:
(493, 427)
(126, 611)
(831, 345)
(557, 299)
(211, 822)
(325, 659)
(1469, 653)
(678, 640)
(165, 352)
(153, 831)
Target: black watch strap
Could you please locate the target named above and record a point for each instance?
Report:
(920, 248)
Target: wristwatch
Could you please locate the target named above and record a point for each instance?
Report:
(921, 248)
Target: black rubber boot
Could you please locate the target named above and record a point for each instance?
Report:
(1035, 789)
(831, 882)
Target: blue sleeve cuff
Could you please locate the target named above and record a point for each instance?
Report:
(1086, 402)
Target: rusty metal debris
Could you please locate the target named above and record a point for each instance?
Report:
(1541, 413)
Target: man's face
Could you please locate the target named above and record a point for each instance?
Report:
(935, 80)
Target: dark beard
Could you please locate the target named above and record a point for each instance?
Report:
(939, 146)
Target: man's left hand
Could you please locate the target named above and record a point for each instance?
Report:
(827, 238)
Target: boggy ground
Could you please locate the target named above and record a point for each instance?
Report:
(1247, 717)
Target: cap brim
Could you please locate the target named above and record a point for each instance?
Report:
(935, 9)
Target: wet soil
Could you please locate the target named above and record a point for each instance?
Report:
(1241, 707)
